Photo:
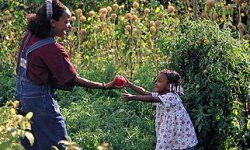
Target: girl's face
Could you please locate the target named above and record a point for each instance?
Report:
(60, 27)
(161, 85)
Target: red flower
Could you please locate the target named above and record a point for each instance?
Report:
(202, 41)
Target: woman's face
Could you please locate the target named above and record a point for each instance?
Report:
(60, 27)
(161, 85)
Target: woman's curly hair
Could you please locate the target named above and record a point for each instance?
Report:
(39, 25)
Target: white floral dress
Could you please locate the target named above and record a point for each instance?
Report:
(174, 129)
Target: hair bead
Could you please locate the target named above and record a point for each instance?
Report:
(174, 79)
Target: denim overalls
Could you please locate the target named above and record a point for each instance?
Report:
(47, 124)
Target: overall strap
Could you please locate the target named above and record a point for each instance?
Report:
(22, 61)
(25, 44)
(27, 40)
(39, 44)
(35, 46)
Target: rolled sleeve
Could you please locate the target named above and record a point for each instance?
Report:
(60, 65)
(154, 94)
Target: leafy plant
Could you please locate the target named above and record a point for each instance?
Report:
(14, 126)
(215, 70)
(137, 40)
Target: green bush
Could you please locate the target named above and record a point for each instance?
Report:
(216, 73)
(14, 126)
(214, 66)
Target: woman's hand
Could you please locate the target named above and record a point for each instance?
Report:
(109, 85)
(128, 83)
(117, 83)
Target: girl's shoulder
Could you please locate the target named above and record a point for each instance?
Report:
(171, 94)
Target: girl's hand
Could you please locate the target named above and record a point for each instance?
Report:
(118, 82)
(113, 84)
(128, 83)
(127, 96)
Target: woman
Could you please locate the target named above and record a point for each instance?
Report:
(44, 65)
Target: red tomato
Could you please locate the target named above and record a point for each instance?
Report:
(120, 81)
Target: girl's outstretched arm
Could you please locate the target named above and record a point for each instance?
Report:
(138, 89)
(143, 98)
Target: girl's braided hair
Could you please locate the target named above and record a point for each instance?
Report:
(174, 80)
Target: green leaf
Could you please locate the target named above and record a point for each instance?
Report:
(30, 137)
(157, 10)
(64, 142)
(54, 148)
(6, 145)
(29, 115)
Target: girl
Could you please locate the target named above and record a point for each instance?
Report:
(174, 129)
(44, 65)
